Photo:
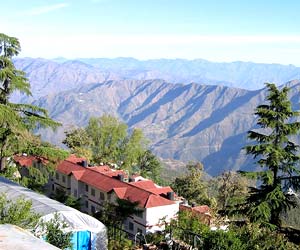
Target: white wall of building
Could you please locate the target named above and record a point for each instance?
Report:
(156, 215)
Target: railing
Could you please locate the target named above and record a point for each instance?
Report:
(174, 238)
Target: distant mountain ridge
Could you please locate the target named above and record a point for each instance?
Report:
(183, 121)
(247, 75)
(205, 121)
(48, 76)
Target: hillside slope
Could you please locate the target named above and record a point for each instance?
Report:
(52, 76)
(183, 121)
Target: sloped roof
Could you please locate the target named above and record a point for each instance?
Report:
(66, 167)
(101, 178)
(154, 200)
(145, 184)
(120, 192)
(151, 187)
(27, 160)
(204, 209)
(161, 190)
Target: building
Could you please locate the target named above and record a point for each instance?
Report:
(97, 185)
(25, 161)
(101, 184)
(201, 212)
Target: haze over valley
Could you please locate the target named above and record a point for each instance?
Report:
(189, 110)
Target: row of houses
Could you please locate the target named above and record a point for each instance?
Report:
(99, 185)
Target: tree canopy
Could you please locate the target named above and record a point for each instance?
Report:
(278, 157)
(17, 212)
(17, 121)
(192, 186)
(108, 140)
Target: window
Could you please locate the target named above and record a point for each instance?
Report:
(130, 225)
(93, 209)
(86, 188)
(140, 231)
(57, 176)
(64, 178)
(102, 197)
(75, 192)
(86, 204)
(139, 214)
(93, 192)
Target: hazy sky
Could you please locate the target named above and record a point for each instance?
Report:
(218, 30)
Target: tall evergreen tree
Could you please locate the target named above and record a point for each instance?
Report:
(16, 120)
(277, 155)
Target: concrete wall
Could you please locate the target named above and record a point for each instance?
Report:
(62, 181)
(156, 215)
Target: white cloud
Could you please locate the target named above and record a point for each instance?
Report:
(44, 9)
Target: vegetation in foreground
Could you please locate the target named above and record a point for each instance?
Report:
(263, 207)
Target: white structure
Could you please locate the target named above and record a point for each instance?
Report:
(88, 233)
(16, 238)
(99, 185)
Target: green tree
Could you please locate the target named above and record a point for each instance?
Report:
(246, 237)
(107, 140)
(192, 186)
(55, 232)
(115, 214)
(232, 190)
(149, 166)
(277, 155)
(16, 120)
(133, 148)
(17, 212)
(73, 202)
(79, 142)
(36, 179)
(38, 176)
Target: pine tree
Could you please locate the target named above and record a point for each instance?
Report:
(277, 155)
(16, 120)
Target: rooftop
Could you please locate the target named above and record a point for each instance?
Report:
(27, 160)
(146, 192)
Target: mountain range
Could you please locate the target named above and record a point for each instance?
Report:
(184, 121)
(48, 76)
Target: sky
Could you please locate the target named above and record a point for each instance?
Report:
(263, 31)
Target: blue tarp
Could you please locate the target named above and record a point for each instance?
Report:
(81, 240)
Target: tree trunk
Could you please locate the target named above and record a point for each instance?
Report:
(275, 218)
(2, 163)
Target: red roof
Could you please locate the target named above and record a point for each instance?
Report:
(66, 167)
(161, 190)
(108, 171)
(101, 179)
(151, 187)
(120, 192)
(27, 161)
(153, 200)
(201, 209)
(145, 184)
(204, 209)
(74, 159)
(78, 174)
